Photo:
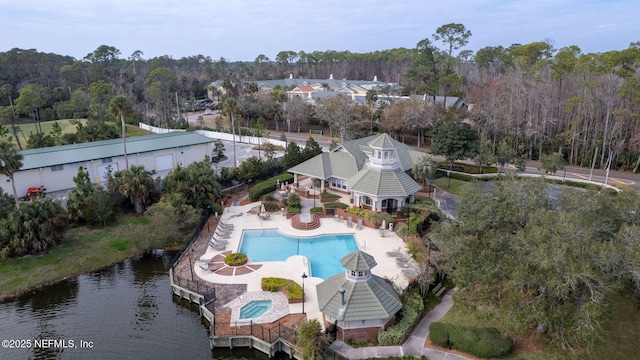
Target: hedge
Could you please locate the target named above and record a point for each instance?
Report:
(269, 185)
(411, 310)
(333, 205)
(326, 195)
(360, 212)
(439, 333)
(480, 342)
(293, 210)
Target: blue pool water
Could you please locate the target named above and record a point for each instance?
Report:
(324, 252)
(254, 309)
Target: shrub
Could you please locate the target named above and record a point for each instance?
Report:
(398, 332)
(414, 301)
(271, 206)
(316, 210)
(431, 300)
(268, 197)
(293, 210)
(326, 195)
(289, 287)
(269, 185)
(293, 200)
(360, 212)
(216, 208)
(439, 333)
(481, 342)
(334, 205)
(235, 259)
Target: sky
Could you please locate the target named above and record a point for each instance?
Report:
(240, 30)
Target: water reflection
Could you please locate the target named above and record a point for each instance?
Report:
(126, 310)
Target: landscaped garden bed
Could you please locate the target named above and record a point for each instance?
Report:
(290, 288)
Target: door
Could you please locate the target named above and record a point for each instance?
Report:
(164, 162)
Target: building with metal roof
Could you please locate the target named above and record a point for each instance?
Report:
(357, 302)
(54, 167)
(373, 170)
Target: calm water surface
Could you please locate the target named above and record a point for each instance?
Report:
(126, 311)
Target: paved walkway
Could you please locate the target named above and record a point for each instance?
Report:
(414, 346)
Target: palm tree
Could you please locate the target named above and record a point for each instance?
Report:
(230, 106)
(119, 107)
(136, 184)
(10, 163)
(425, 168)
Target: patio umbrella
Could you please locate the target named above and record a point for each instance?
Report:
(384, 224)
(262, 209)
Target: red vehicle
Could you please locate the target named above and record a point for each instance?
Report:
(34, 192)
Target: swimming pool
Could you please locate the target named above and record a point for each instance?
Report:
(324, 252)
(255, 309)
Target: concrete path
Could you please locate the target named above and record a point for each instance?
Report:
(414, 346)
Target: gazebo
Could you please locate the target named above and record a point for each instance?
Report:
(357, 302)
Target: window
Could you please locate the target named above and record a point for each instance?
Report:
(378, 153)
(107, 160)
(360, 273)
(367, 200)
(57, 168)
(338, 183)
(386, 155)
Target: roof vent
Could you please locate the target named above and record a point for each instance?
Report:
(342, 291)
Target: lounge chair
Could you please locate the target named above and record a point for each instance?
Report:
(217, 246)
(225, 225)
(222, 236)
(208, 268)
(219, 241)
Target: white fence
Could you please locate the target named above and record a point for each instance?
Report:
(157, 130)
(241, 138)
(219, 135)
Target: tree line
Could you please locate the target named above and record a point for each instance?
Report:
(534, 98)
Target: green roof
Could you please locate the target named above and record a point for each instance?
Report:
(326, 165)
(75, 153)
(373, 181)
(383, 141)
(358, 261)
(363, 300)
(347, 159)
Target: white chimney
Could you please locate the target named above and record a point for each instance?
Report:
(290, 76)
(375, 78)
(330, 76)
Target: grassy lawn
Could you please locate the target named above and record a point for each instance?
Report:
(455, 188)
(620, 339)
(85, 249)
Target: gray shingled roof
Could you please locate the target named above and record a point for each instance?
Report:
(372, 181)
(325, 165)
(348, 161)
(75, 153)
(369, 300)
(383, 141)
(358, 261)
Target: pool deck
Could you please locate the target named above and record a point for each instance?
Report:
(369, 240)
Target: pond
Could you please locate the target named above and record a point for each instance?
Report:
(125, 311)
